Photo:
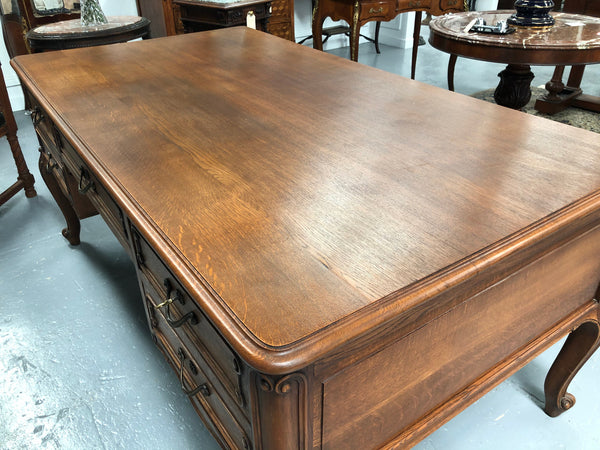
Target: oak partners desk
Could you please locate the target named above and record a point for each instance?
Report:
(317, 273)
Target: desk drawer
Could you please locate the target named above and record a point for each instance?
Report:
(188, 322)
(89, 186)
(415, 5)
(374, 9)
(45, 129)
(230, 432)
(451, 5)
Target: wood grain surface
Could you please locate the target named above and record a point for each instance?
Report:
(313, 197)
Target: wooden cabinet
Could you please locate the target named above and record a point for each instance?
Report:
(166, 18)
(281, 22)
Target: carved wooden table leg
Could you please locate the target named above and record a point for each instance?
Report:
(451, 66)
(555, 85)
(514, 89)
(355, 32)
(415, 49)
(71, 233)
(559, 96)
(579, 346)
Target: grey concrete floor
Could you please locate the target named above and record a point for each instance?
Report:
(78, 369)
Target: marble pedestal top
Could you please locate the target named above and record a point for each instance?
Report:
(74, 26)
(573, 39)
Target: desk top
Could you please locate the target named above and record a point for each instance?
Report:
(573, 39)
(316, 199)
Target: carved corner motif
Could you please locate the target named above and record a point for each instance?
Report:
(280, 411)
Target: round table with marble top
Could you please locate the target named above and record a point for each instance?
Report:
(573, 40)
(72, 34)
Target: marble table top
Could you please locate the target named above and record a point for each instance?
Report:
(570, 31)
(74, 26)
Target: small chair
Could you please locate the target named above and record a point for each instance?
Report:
(8, 128)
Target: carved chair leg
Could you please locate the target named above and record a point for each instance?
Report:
(71, 233)
(317, 27)
(23, 171)
(579, 346)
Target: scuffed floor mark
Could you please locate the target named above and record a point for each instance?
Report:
(36, 409)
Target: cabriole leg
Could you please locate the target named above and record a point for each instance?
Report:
(579, 346)
(71, 233)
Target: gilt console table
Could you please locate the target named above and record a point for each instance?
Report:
(338, 289)
(360, 12)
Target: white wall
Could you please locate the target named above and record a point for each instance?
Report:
(110, 8)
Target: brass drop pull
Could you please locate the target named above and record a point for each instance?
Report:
(175, 295)
(203, 388)
(52, 163)
(37, 116)
(373, 10)
(165, 303)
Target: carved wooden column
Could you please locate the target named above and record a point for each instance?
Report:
(281, 411)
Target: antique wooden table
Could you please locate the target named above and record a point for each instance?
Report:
(207, 15)
(317, 274)
(71, 34)
(359, 12)
(573, 40)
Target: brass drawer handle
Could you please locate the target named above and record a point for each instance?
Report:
(373, 10)
(203, 388)
(191, 317)
(37, 116)
(85, 184)
(175, 295)
(51, 164)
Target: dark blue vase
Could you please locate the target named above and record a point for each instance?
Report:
(532, 13)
